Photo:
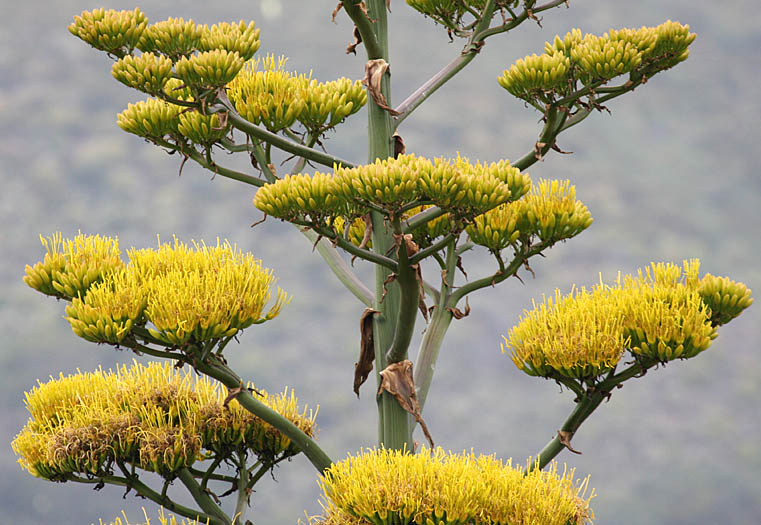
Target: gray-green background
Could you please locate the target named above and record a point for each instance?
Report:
(672, 174)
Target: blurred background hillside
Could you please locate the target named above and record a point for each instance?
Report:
(673, 173)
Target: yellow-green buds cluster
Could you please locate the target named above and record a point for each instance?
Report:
(201, 129)
(298, 195)
(535, 75)
(550, 212)
(384, 486)
(210, 69)
(327, 104)
(115, 32)
(153, 417)
(356, 232)
(71, 266)
(725, 298)
(109, 310)
(264, 93)
(671, 46)
(147, 73)
(602, 58)
(241, 38)
(596, 59)
(173, 37)
(152, 119)
(660, 314)
(463, 189)
(189, 296)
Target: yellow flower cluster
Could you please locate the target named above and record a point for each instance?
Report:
(462, 188)
(662, 313)
(147, 73)
(164, 519)
(550, 212)
(199, 128)
(264, 93)
(154, 417)
(594, 59)
(392, 487)
(71, 266)
(241, 38)
(152, 119)
(209, 69)
(115, 32)
(189, 295)
(173, 37)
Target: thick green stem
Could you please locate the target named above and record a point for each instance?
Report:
(308, 446)
(428, 352)
(406, 279)
(394, 428)
(340, 268)
(202, 497)
(555, 118)
(241, 503)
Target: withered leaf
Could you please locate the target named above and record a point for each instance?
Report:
(565, 439)
(399, 147)
(457, 313)
(374, 71)
(352, 47)
(364, 366)
(335, 12)
(396, 379)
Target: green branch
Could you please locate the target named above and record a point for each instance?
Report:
(362, 253)
(406, 279)
(240, 123)
(554, 120)
(340, 268)
(308, 446)
(201, 496)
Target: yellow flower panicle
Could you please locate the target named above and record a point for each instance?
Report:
(71, 266)
(173, 37)
(115, 32)
(188, 295)
(151, 119)
(596, 59)
(551, 212)
(389, 183)
(238, 37)
(109, 310)
(394, 487)
(296, 196)
(155, 417)
(205, 293)
(577, 336)
(662, 313)
(147, 73)
(534, 75)
(264, 93)
(210, 69)
(327, 104)
(199, 128)
(725, 298)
